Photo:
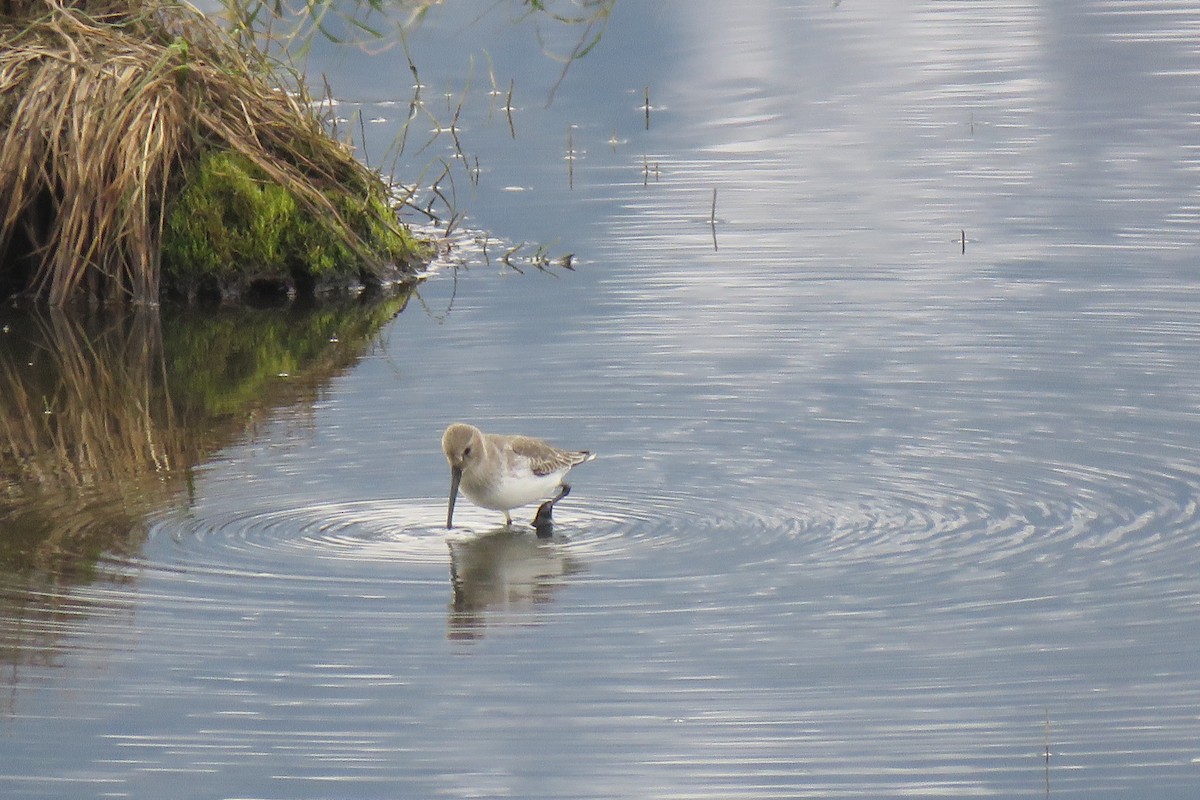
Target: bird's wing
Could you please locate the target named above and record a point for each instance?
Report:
(544, 458)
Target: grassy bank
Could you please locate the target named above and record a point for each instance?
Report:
(145, 154)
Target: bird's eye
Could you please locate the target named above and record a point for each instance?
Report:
(466, 451)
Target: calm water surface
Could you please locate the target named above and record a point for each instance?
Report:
(898, 490)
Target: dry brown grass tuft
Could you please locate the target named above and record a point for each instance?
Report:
(101, 104)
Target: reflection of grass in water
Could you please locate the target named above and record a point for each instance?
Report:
(85, 447)
(101, 420)
(80, 412)
(226, 363)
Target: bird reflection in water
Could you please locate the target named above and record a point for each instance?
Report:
(501, 576)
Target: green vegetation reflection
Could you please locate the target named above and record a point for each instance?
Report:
(103, 417)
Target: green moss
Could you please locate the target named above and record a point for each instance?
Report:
(231, 228)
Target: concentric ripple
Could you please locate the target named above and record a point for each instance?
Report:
(919, 523)
(308, 537)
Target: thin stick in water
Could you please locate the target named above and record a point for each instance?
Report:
(712, 219)
(508, 109)
(458, 150)
(1047, 735)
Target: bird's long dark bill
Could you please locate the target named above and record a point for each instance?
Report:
(455, 478)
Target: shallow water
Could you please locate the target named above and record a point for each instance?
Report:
(875, 514)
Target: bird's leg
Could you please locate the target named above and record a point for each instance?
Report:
(564, 490)
(507, 520)
(543, 521)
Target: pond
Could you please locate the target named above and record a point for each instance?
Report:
(883, 320)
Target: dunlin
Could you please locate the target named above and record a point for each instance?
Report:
(505, 472)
